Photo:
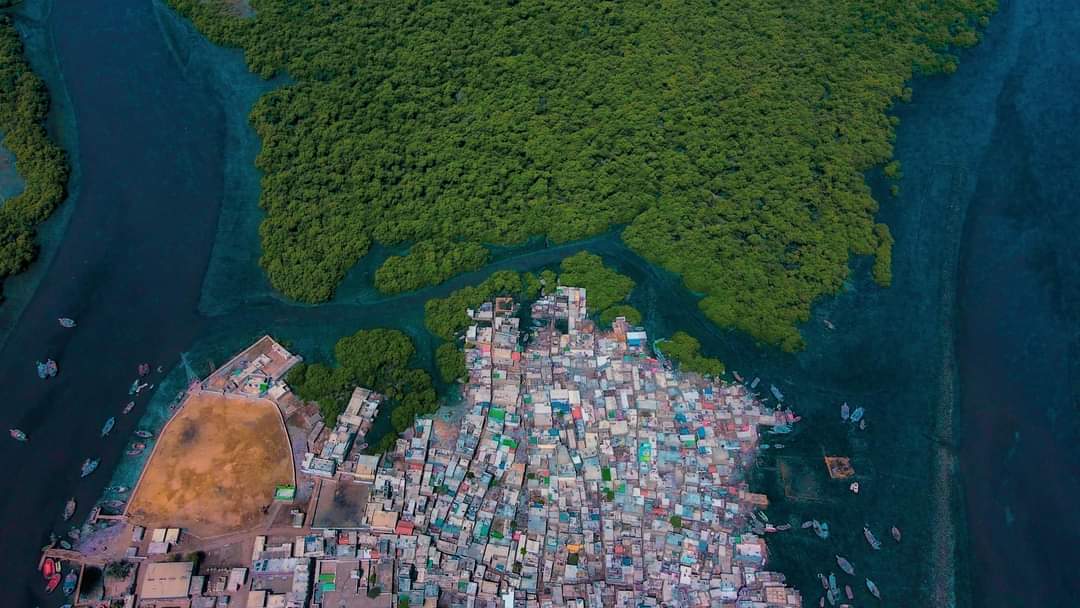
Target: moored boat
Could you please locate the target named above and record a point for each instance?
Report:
(17, 435)
(108, 426)
(53, 583)
(47, 369)
(113, 504)
(776, 392)
(117, 489)
(88, 466)
(69, 582)
(848, 592)
(65, 545)
(144, 434)
(781, 429)
(845, 565)
(48, 567)
(857, 414)
(136, 448)
(870, 538)
(127, 408)
(845, 412)
(895, 533)
(873, 588)
(144, 369)
(738, 376)
(829, 324)
(69, 508)
(134, 387)
(66, 322)
(754, 383)
(821, 529)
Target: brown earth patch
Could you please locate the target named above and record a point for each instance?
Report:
(215, 467)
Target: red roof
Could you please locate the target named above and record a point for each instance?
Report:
(404, 528)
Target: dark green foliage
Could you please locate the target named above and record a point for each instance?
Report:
(373, 358)
(24, 105)
(429, 263)
(446, 317)
(883, 255)
(450, 361)
(608, 315)
(120, 569)
(731, 136)
(686, 351)
(384, 444)
(603, 286)
(676, 522)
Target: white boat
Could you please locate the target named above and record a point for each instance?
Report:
(88, 466)
(66, 322)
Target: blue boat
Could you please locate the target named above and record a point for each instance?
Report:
(88, 466)
(873, 588)
(47, 369)
(781, 429)
(845, 412)
(109, 424)
(776, 392)
(857, 414)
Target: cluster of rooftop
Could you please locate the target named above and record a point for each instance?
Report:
(581, 471)
(584, 473)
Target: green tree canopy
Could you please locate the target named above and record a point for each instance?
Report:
(24, 105)
(730, 136)
(685, 350)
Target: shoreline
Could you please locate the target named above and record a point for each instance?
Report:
(39, 50)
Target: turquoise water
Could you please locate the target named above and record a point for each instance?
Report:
(159, 262)
(11, 183)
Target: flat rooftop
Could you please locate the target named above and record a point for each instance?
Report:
(341, 505)
(215, 467)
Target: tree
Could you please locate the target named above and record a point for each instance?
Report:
(729, 138)
(686, 351)
(450, 361)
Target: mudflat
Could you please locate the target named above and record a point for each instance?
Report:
(215, 468)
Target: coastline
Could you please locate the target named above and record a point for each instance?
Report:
(40, 52)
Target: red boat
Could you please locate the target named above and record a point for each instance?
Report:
(54, 582)
(48, 568)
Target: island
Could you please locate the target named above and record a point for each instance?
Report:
(42, 165)
(578, 468)
(727, 140)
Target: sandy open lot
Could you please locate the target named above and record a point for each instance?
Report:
(215, 467)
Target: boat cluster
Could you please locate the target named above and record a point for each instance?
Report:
(857, 418)
(53, 572)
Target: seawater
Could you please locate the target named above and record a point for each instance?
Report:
(11, 183)
(159, 262)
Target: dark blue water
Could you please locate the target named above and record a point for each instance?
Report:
(1018, 340)
(158, 259)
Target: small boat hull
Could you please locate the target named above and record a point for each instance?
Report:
(53, 583)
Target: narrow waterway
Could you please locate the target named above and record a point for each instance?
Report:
(159, 259)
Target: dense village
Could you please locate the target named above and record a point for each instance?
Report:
(579, 469)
